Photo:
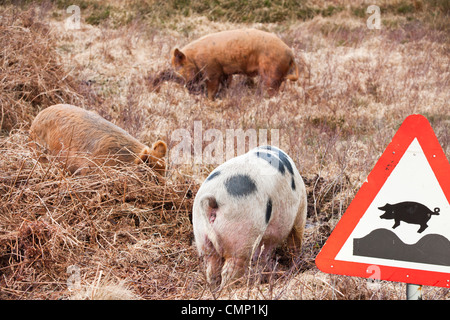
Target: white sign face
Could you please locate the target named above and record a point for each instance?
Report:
(407, 224)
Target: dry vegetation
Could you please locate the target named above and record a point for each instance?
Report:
(128, 234)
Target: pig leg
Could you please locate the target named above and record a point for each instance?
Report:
(295, 238)
(226, 80)
(396, 224)
(224, 83)
(213, 267)
(422, 227)
(266, 257)
(212, 86)
(232, 268)
(213, 262)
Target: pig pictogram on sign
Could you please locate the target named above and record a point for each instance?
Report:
(409, 212)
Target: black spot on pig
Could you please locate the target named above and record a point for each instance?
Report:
(275, 161)
(283, 157)
(271, 148)
(240, 185)
(286, 162)
(272, 160)
(268, 210)
(213, 175)
(409, 212)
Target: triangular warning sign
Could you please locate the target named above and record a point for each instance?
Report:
(398, 224)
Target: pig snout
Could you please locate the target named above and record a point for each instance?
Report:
(388, 212)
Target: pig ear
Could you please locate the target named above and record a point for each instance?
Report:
(159, 149)
(179, 57)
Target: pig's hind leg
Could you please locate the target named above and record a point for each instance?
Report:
(423, 226)
(212, 86)
(233, 268)
(225, 80)
(213, 264)
(224, 83)
(295, 237)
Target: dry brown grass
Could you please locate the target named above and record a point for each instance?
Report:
(114, 219)
(32, 73)
(131, 237)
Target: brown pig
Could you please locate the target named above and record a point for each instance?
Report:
(216, 57)
(82, 139)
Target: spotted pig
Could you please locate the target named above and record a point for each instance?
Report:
(247, 207)
(83, 139)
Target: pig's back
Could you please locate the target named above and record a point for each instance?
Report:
(250, 181)
(84, 130)
(241, 40)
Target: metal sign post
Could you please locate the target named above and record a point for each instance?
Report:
(413, 292)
